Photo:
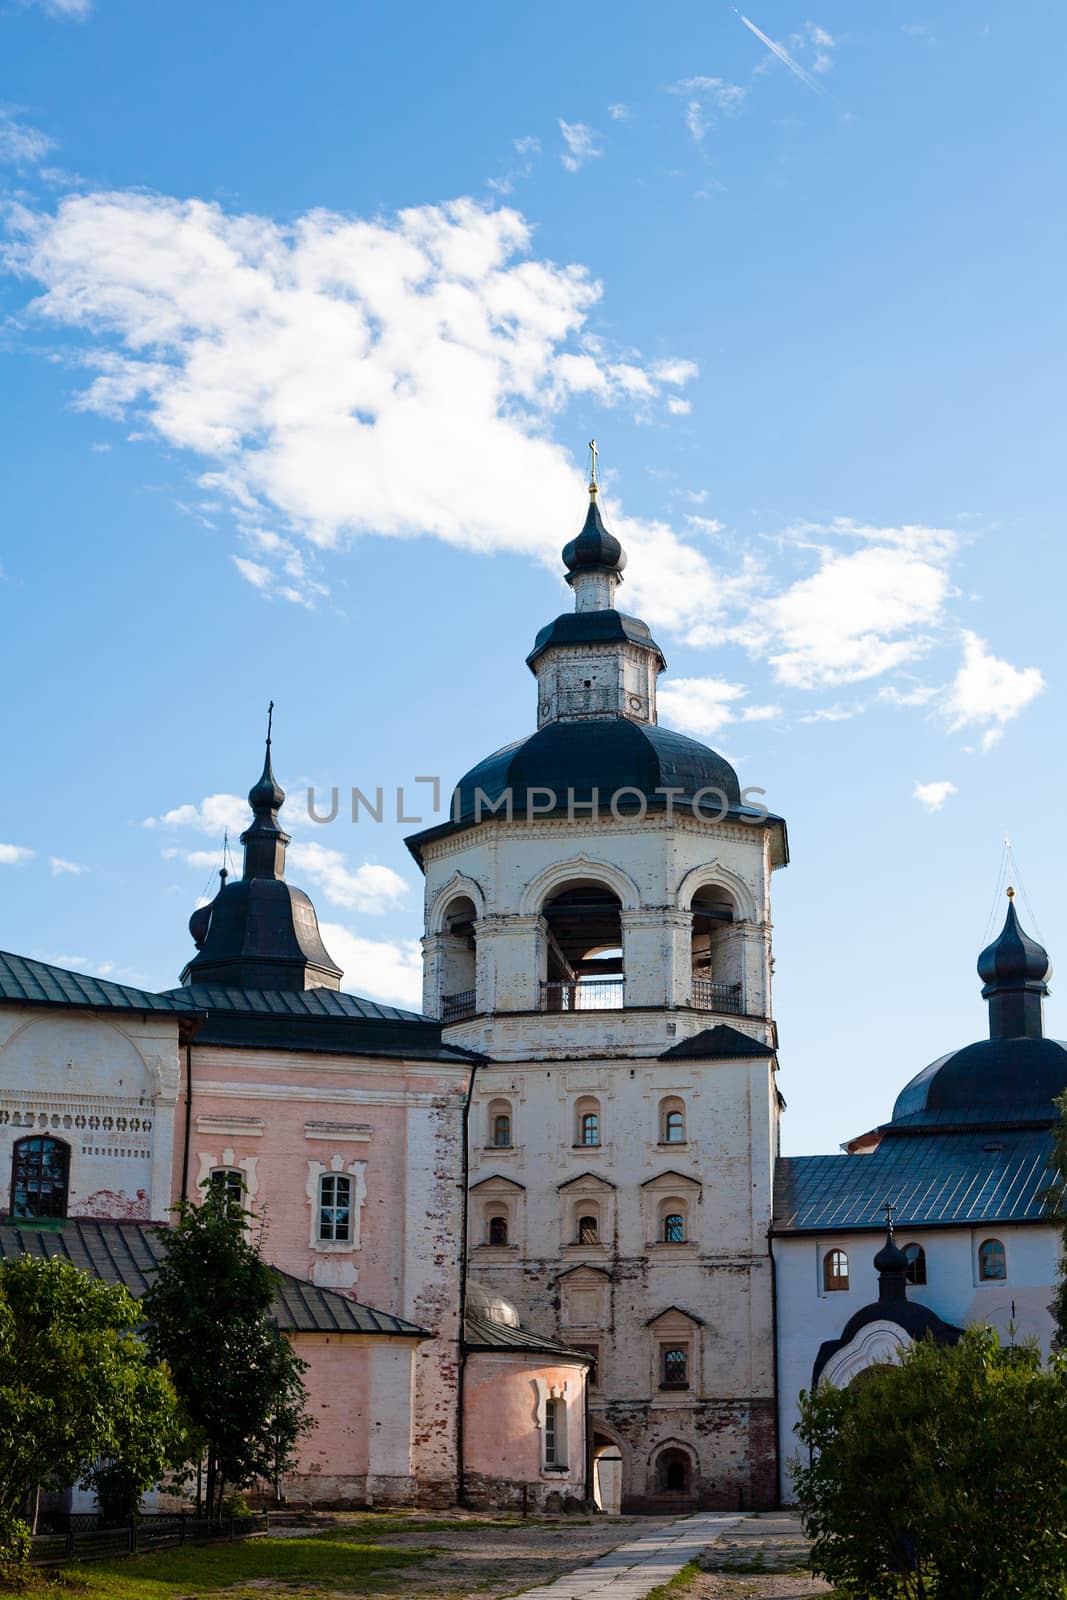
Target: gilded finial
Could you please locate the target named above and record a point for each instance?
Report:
(593, 484)
(1011, 892)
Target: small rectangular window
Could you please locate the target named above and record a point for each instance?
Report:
(554, 1453)
(674, 1366)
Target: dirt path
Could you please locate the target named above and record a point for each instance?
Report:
(491, 1562)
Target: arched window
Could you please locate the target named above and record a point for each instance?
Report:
(587, 1132)
(335, 1207)
(555, 1433)
(459, 998)
(916, 1270)
(672, 1121)
(992, 1261)
(231, 1182)
(672, 1472)
(498, 1230)
(588, 1230)
(584, 962)
(834, 1270)
(673, 1228)
(39, 1172)
(717, 952)
(500, 1124)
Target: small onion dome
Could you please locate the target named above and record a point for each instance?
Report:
(490, 1306)
(595, 549)
(890, 1258)
(266, 794)
(198, 923)
(1014, 957)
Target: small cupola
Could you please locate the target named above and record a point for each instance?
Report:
(260, 932)
(1015, 970)
(891, 1265)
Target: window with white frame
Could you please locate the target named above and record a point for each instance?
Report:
(335, 1208)
(587, 1128)
(500, 1125)
(672, 1120)
(230, 1183)
(555, 1433)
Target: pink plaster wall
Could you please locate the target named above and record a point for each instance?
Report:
(338, 1387)
(501, 1436)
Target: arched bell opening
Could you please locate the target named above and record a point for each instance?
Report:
(459, 960)
(716, 952)
(585, 969)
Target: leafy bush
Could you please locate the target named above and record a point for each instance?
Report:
(944, 1474)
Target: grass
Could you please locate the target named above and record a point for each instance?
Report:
(677, 1585)
(337, 1561)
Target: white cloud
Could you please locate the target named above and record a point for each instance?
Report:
(703, 96)
(619, 112)
(343, 377)
(704, 705)
(933, 795)
(862, 612)
(216, 813)
(370, 888)
(13, 855)
(59, 867)
(920, 696)
(679, 408)
(20, 144)
(988, 692)
(581, 144)
(193, 858)
(63, 10)
(381, 969)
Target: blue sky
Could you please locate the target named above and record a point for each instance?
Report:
(307, 315)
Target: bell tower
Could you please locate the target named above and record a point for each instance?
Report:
(598, 928)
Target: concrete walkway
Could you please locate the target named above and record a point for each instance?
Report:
(632, 1569)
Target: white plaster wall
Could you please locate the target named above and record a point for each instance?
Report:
(808, 1315)
(108, 1088)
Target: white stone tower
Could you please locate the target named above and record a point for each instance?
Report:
(598, 927)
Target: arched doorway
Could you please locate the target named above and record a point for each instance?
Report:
(584, 949)
(607, 1475)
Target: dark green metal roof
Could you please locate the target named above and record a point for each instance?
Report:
(932, 1179)
(721, 1043)
(480, 1334)
(36, 983)
(129, 1253)
(593, 627)
(291, 1003)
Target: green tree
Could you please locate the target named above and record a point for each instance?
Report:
(209, 1318)
(944, 1474)
(77, 1388)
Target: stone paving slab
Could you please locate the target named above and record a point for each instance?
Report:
(633, 1569)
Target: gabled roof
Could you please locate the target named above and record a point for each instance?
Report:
(290, 1003)
(721, 1043)
(933, 1180)
(682, 1177)
(680, 1310)
(497, 1177)
(129, 1253)
(583, 1266)
(480, 1334)
(37, 983)
(582, 1176)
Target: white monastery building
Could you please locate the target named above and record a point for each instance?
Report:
(537, 1244)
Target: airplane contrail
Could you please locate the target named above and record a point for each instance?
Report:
(783, 55)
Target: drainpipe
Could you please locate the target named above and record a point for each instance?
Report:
(774, 1336)
(461, 1486)
(188, 1117)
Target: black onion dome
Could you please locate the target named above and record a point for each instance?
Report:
(266, 794)
(261, 933)
(595, 549)
(1013, 957)
(198, 924)
(890, 1258)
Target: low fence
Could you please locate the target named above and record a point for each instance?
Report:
(85, 1540)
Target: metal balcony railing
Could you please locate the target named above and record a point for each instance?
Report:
(708, 996)
(594, 994)
(458, 1007)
